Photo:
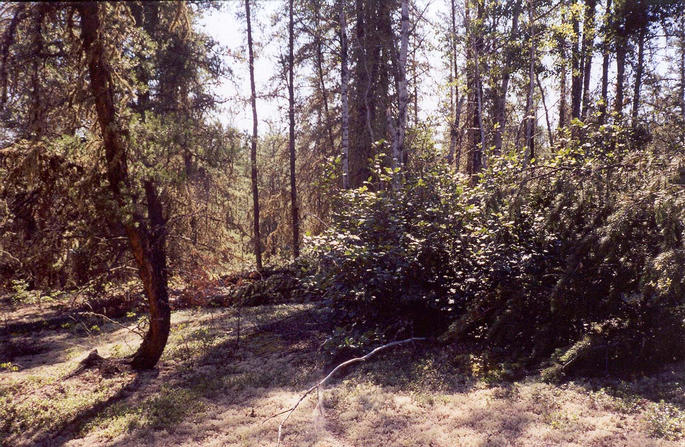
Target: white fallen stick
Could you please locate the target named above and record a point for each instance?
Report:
(319, 384)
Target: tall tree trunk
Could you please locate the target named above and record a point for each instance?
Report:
(501, 106)
(605, 63)
(459, 131)
(480, 161)
(620, 74)
(550, 134)
(455, 108)
(530, 119)
(474, 41)
(415, 85)
(322, 82)
(147, 245)
(587, 52)
(291, 133)
(563, 75)
(37, 121)
(563, 93)
(253, 142)
(638, 74)
(576, 71)
(471, 85)
(398, 150)
(344, 81)
(363, 100)
(682, 64)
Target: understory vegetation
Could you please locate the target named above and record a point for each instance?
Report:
(575, 262)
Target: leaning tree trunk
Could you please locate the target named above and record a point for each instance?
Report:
(253, 143)
(148, 246)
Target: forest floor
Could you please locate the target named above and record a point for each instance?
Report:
(226, 371)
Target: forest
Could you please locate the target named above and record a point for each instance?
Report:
(342, 223)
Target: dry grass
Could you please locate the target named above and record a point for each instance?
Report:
(213, 389)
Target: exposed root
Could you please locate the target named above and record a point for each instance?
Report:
(107, 367)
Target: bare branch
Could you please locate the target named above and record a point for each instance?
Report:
(321, 383)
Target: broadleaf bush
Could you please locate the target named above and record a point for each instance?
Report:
(575, 262)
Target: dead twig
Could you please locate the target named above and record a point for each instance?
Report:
(139, 333)
(320, 384)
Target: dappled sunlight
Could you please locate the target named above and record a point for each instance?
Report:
(212, 389)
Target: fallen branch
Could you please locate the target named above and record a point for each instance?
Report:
(320, 384)
(138, 332)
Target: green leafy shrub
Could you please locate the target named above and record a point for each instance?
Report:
(578, 259)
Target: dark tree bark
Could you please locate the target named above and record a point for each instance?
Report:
(454, 88)
(147, 245)
(530, 113)
(576, 71)
(639, 70)
(362, 108)
(291, 133)
(563, 80)
(605, 64)
(320, 74)
(587, 52)
(550, 134)
(344, 81)
(682, 65)
(253, 142)
(372, 51)
(474, 42)
(398, 149)
(620, 74)
(500, 110)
